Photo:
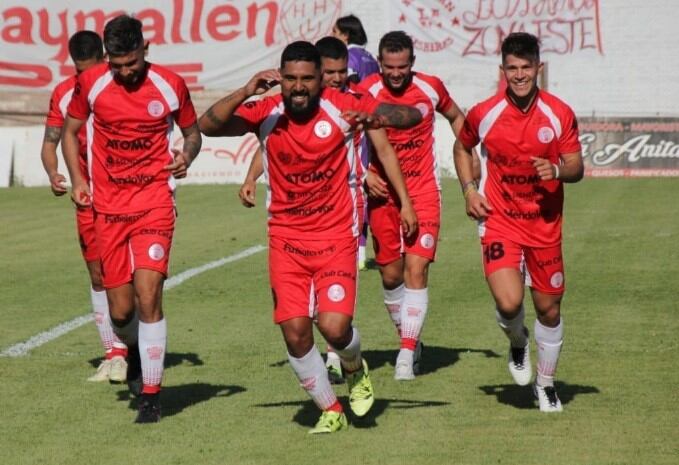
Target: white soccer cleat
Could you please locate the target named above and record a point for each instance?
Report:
(519, 365)
(118, 370)
(547, 399)
(102, 374)
(404, 369)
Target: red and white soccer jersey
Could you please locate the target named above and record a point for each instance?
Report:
(59, 100)
(525, 209)
(414, 146)
(310, 167)
(129, 136)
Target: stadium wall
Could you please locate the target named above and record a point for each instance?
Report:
(615, 62)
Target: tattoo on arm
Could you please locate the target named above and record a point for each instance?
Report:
(192, 141)
(52, 134)
(210, 114)
(399, 116)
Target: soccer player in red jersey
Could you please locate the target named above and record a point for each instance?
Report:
(404, 261)
(130, 107)
(86, 50)
(334, 74)
(529, 148)
(307, 136)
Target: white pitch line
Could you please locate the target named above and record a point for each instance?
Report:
(22, 348)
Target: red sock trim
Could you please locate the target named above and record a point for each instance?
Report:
(408, 343)
(336, 407)
(109, 354)
(117, 352)
(150, 389)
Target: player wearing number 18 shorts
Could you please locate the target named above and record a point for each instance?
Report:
(529, 148)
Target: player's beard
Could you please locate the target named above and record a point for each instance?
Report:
(402, 87)
(301, 113)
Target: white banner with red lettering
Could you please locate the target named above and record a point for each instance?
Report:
(211, 43)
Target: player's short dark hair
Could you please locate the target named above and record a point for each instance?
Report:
(122, 35)
(301, 50)
(352, 27)
(85, 45)
(332, 47)
(396, 41)
(522, 45)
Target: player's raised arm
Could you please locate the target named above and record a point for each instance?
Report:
(398, 116)
(219, 119)
(70, 146)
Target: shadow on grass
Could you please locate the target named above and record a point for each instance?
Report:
(175, 399)
(308, 413)
(172, 359)
(522, 396)
(434, 358)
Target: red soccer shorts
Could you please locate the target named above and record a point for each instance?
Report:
(544, 265)
(84, 220)
(133, 241)
(385, 224)
(312, 276)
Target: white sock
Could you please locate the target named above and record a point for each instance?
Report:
(128, 334)
(102, 319)
(549, 341)
(514, 328)
(313, 377)
(152, 346)
(413, 312)
(393, 298)
(350, 356)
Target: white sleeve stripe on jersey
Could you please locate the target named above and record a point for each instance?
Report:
(165, 89)
(335, 114)
(63, 103)
(487, 122)
(376, 88)
(428, 90)
(551, 116)
(269, 122)
(99, 85)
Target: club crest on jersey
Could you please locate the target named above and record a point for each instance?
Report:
(556, 280)
(155, 108)
(322, 129)
(156, 252)
(422, 108)
(545, 134)
(336, 293)
(427, 241)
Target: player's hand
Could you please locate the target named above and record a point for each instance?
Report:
(377, 187)
(544, 168)
(58, 184)
(262, 82)
(478, 207)
(408, 220)
(180, 165)
(81, 195)
(247, 192)
(361, 120)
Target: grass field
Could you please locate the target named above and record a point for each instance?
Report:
(230, 398)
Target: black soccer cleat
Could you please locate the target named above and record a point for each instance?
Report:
(149, 409)
(134, 377)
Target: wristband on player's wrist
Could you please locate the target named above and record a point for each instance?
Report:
(556, 170)
(467, 188)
